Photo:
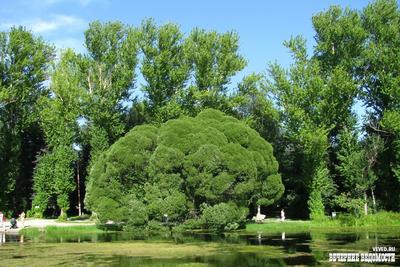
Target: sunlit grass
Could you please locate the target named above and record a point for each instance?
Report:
(380, 220)
(62, 230)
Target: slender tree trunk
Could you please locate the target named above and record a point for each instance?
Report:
(373, 199)
(365, 203)
(79, 191)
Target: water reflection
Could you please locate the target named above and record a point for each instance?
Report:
(2, 237)
(306, 248)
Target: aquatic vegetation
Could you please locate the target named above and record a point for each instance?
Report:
(196, 249)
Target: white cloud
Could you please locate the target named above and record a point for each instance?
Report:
(50, 25)
(56, 22)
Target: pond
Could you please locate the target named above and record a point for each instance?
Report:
(195, 249)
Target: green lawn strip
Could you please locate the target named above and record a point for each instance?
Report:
(75, 229)
(329, 226)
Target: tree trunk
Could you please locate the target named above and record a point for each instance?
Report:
(79, 190)
(365, 203)
(373, 199)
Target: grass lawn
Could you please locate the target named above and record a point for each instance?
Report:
(62, 230)
(380, 220)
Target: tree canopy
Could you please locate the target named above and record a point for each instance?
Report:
(182, 164)
(181, 158)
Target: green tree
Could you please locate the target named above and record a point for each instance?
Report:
(182, 164)
(340, 38)
(108, 76)
(24, 66)
(54, 175)
(314, 106)
(391, 124)
(215, 59)
(380, 83)
(356, 163)
(185, 74)
(251, 104)
(164, 67)
(364, 45)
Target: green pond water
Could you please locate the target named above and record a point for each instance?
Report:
(200, 249)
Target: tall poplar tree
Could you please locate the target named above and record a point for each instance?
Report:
(108, 77)
(54, 174)
(24, 66)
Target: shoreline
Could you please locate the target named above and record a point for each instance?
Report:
(268, 225)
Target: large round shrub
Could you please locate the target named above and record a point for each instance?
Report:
(174, 168)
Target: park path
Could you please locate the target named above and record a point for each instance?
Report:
(42, 223)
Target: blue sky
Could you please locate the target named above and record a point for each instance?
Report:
(262, 25)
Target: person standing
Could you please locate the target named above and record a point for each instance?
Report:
(282, 215)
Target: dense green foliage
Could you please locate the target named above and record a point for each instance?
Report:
(58, 120)
(182, 165)
(354, 60)
(223, 217)
(24, 66)
(58, 116)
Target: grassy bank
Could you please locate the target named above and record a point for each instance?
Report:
(344, 222)
(379, 220)
(62, 230)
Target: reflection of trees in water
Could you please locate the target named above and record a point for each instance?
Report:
(324, 243)
(245, 259)
(218, 260)
(238, 249)
(318, 242)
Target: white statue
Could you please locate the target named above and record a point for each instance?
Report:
(282, 215)
(259, 217)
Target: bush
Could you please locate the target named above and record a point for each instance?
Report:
(347, 220)
(316, 206)
(169, 169)
(192, 224)
(77, 218)
(223, 217)
(63, 217)
(156, 226)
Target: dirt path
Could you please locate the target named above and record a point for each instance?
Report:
(41, 223)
